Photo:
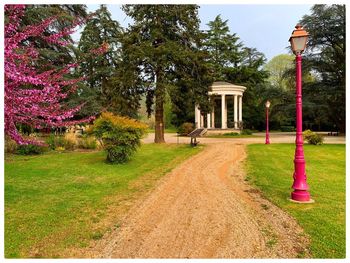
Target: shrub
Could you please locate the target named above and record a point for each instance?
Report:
(307, 134)
(185, 128)
(231, 134)
(68, 143)
(10, 145)
(60, 141)
(87, 142)
(312, 137)
(119, 136)
(30, 149)
(246, 132)
(316, 139)
(51, 142)
(60, 149)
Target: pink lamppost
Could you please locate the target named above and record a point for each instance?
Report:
(267, 136)
(300, 194)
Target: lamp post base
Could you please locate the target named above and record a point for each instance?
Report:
(300, 196)
(303, 202)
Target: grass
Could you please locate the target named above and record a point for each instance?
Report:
(61, 201)
(270, 168)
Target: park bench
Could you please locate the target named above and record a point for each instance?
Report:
(196, 133)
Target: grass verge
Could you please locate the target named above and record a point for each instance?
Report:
(270, 168)
(60, 201)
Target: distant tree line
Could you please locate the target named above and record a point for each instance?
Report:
(165, 60)
(323, 75)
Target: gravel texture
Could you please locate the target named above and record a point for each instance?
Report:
(205, 209)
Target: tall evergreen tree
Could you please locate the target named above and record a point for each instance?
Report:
(233, 62)
(164, 44)
(53, 55)
(326, 58)
(105, 67)
(250, 73)
(223, 47)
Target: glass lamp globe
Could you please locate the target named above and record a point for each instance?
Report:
(298, 39)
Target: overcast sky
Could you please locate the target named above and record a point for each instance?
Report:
(264, 27)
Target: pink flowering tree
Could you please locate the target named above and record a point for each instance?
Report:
(34, 96)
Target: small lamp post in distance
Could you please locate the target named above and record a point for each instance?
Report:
(300, 194)
(267, 136)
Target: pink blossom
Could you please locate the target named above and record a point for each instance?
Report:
(31, 97)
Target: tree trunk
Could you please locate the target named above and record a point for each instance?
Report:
(159, 124)
(159, 112)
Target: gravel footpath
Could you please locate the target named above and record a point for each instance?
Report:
(277, 137)
(204, 209)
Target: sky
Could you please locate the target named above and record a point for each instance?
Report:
(264, 27)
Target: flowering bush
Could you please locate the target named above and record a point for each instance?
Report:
(119, 136)
(33, 96)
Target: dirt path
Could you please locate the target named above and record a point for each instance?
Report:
(204, 209)
(282, 137)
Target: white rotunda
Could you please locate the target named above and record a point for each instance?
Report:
(227, 110)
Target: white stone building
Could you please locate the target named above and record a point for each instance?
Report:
(227, 111)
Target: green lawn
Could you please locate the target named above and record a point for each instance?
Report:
(59, 201)
(270, 168)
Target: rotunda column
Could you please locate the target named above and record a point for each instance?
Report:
(208, 121)
(213, 119)
(235, 110)
(197, 116)
(240, 108)
(223, 112)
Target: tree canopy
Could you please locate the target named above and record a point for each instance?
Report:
(164, 41)
(163, 59)
(99, 53)
(326, 58)
(33, 96)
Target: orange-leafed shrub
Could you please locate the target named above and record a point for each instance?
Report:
(119, 136)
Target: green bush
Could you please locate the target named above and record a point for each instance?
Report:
(307, 134)
(231, 134)
(51, 142)
(55, 142)
(287, 128)
(246, 132)
(30, 149)
(185, 128)
(312, 137)
(119, 136)
(316, 139)
(87, 142)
